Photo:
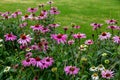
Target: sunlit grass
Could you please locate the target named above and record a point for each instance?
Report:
(81, 12)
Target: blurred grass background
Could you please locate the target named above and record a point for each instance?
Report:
(81, 12)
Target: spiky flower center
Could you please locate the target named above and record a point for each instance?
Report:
(72, 69)
(79, 36)
(23, 36)
(95, 24)
(111, 20)
(32, 8)
(59, 36)
(37, 25)
(41, 14)
(104, 34)
(6, 17)
(55, 11)
(16, 12)
(28, 60)
(37, 59)
(112, 26)
(44, 28)
(107, 75)
(26, 16)
(48, 60)
(9, 35)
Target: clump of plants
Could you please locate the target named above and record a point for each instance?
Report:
(31, 48)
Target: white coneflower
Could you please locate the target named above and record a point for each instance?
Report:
(7, 69)
(95, 76)
(28, 49)
(1, 40)
(101, 67)
(83, 47)
(93, 68)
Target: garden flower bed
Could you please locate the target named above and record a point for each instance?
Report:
(31, 48)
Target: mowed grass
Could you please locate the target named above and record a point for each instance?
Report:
(81, 12)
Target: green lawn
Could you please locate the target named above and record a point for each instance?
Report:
(81, 12)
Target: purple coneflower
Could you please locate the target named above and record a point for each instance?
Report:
(116, 39)
(72, 70)
(38, 62)
(26, 62)
(76, 27)
(10, 37)
(23, 25)
(37, 27)
(32, 10)
(96, 25)
(48, 61)
(79, 36)
(104, 35)
(107, 74)
(112, 21)
(112, 27)
(24, 39)
(70, 42)
(60, 38)
(5, 14)
(44, 30)
(54, 25)
(89, 42)
(44, 12)
(44, 65)
(50, 2)
(6, 17)
(42, 16)
(28, 55)
(34, 47)
(54, 10)
(15, 14)
(25, 17)
(32, 17)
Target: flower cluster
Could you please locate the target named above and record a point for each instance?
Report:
(37, 62)
(107, 74)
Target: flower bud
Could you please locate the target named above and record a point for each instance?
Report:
(104, 54)
(84, 59)
(107, 61)
(54, 69)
